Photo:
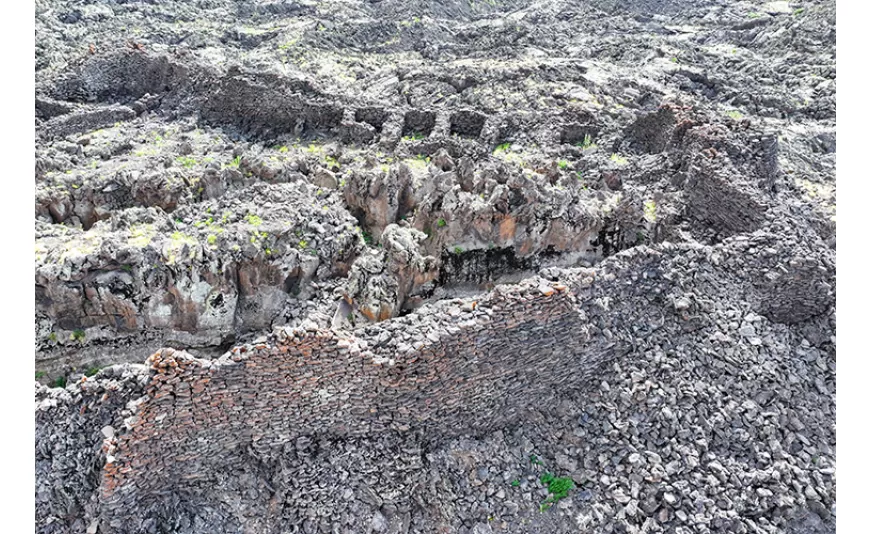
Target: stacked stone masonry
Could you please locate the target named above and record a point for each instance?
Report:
(475, 368)
(455, 367)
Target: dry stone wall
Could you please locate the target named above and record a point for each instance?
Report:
(468, 367)
(165, 433)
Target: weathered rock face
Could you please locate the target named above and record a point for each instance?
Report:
(209, 273)
(380, 197)
(382, 282)
(488, 215)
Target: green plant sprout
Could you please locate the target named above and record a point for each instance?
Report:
(332, 162)
(586, 143)
(619, 160)
(558, 488)
(186, 161)
(649, 210)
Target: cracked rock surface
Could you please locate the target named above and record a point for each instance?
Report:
(218, 174)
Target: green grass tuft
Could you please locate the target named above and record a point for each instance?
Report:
(186, 161)
(619, 160)
(504, 147)
(234, 164)
(586, 143)
(649, 210)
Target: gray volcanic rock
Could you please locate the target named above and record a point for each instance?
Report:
(587, 241)
(380, 282)
(216, 269)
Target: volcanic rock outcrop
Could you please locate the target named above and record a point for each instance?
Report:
(399, 266)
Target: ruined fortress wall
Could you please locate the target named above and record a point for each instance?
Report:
(462, 367)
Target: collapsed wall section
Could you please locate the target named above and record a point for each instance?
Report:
(469, 368)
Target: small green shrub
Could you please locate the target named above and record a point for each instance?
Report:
(415, 136)
(563, 164)
(442, 223)
(515, 483)
(78, 335)
(254, 220)
(40, 374)
(60, 382)
(92, 371)
(558, 488)
(458, 250)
